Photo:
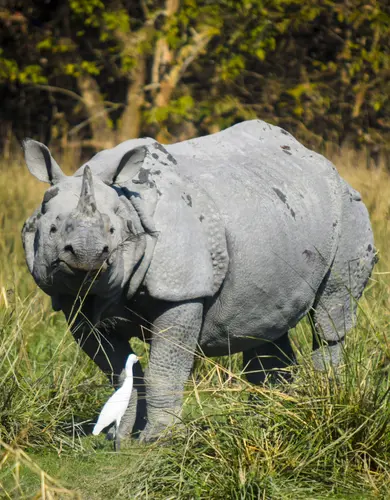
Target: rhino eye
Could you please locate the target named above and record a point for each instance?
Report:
(112, 229)
(53, 229)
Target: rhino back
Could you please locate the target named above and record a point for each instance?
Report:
(281, 206)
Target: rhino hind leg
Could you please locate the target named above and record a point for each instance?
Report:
(268, 361)
(335, 307)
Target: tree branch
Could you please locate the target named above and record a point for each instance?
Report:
(58, 90)
(186, 56)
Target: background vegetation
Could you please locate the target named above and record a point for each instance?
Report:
(81, 75)
(93, 73)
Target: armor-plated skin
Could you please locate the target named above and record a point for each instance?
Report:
(221, 243)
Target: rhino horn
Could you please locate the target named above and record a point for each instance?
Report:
(87, 201)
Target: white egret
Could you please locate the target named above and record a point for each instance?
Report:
(115, 407)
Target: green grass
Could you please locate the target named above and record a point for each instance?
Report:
(324, 436)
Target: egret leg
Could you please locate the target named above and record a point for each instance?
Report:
(117, 443)
(117, 439)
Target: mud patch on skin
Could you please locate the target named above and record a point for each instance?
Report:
(281, 195)
(168, 155)
(283, 198)
(309, 256)
(49, 195)
(286, 149)
(144, 177)
(187, 199)
(157, 145)
(172, 159)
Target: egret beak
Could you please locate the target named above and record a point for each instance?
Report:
(139, 357)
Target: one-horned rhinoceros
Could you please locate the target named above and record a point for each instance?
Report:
(218, 244)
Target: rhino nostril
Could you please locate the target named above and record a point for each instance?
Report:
(69, 248)
(105, 249)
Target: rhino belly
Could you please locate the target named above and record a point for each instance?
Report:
(240, 319)
(254, 307)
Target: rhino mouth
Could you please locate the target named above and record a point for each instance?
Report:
(78, 274)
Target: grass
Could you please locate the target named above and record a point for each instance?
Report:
(320, 437)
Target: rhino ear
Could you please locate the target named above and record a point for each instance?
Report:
(127, 168)
(40, 162)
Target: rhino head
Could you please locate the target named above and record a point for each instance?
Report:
(85, 236)
(82, 236)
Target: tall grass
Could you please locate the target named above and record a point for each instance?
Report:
(323, 436)
(18, 461)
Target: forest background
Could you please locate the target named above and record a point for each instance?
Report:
(87, 74)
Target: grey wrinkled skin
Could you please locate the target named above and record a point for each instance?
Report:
(218, 245)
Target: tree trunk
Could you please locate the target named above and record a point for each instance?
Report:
(131, 118)
(183, 59)
(102, 133)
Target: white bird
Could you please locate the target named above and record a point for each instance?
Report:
(115, 407)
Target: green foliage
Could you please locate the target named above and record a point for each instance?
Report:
(10, 71)
(176, 111)
(88, 10)
(320, 69)
(118, 20)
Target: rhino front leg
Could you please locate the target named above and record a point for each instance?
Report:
(175, 337)
(109, 350)
(110, 353)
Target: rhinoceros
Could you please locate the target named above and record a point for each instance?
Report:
(218, 244)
